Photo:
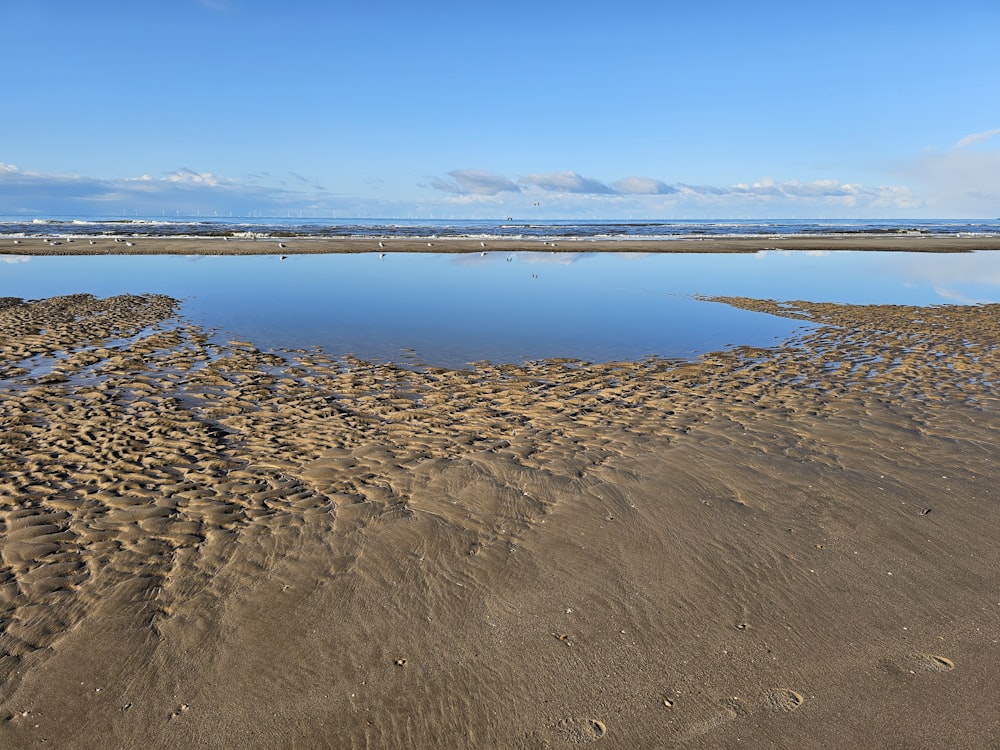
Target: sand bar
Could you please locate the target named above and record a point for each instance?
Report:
(273, 245)
(209, 545)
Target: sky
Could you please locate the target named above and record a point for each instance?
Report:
(485, 109)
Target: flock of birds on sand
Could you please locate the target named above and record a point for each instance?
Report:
(482, 254)
(281, 246)
(53, 243)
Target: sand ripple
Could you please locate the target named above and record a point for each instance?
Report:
(243, 546)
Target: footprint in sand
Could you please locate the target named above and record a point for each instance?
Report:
(780, 700)
(181, 710)
(581, 730)
(729, 710)
(933, 662)
(784, 700)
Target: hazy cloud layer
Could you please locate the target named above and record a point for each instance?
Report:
(960, 181)
(185, 191)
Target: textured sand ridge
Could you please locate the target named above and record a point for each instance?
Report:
(207, 545)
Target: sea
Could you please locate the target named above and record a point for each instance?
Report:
(512, 229)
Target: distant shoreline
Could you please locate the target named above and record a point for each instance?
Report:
(334, 246)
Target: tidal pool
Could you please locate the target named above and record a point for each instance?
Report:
(449, 309)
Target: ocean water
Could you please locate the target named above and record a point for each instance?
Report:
(188, 226)
(453, 309)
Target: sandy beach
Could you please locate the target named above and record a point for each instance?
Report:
(929, 243)
(207, 545)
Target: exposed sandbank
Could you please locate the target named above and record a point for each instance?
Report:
(272, 246)
(213, 546)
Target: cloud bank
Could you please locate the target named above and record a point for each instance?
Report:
(962, 180)
(642, 192)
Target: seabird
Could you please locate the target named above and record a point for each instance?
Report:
(282, 245)
(381, 244)
(381, 255)
(482, 244)
(283, 257)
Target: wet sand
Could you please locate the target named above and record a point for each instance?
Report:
(290, 246)
(208, 545)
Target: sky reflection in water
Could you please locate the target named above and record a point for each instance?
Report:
(454, 309)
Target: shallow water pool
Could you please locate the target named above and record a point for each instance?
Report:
(452, 309)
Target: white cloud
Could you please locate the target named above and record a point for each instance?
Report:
(190, 177)
(643, 186)
(184, 176)
(566, 182)
(977, 138)
(475, 182)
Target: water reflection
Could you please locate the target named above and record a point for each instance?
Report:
(453, 309)
(892, 278)
(962, 279)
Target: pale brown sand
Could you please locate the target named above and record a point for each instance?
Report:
(292, 246)
(216, 547)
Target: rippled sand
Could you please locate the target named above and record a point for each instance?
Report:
(207, 545)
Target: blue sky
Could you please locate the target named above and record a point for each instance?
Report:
(486, 109)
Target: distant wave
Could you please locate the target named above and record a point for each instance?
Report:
(479, 229)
